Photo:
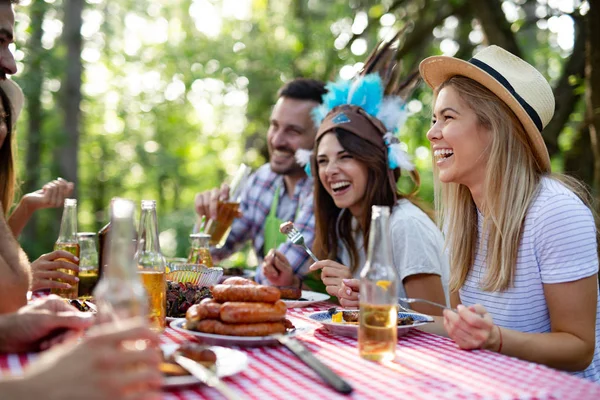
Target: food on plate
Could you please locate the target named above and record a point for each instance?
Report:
(238, 280)
(247, 312)
(286, 227)
(214, 326)
(197, 352)
(244, 309)
(82, 305)
(254, 293)
(290, 292)
(352, 317)
(181, 296)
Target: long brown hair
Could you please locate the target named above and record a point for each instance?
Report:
(512, 179)
(7, 161)
(377, 192)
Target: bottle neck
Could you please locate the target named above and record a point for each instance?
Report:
(148, 253)
(68, 225)
(148, 232)
(121, 263)
(379, 246)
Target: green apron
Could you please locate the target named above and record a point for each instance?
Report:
(273, 238)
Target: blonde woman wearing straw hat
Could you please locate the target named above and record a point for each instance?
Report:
(522, 241)
(53, 193)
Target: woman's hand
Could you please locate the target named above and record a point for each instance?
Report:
(332, 274)
(278, 271)
(472, 328)
(348, 293)
(101, 366)
(42, 324)
(45, 271)
(51, 195)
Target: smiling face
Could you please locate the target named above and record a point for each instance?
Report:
(7, 22)
(460, 144)
(343, 177)
(291, 129)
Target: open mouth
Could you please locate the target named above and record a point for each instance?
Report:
(442, 155)
(340, 187)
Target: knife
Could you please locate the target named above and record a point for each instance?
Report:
(205, 376)
(332, 379)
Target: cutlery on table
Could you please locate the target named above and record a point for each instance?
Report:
(206, 376)
(433, 303)
(326, 373)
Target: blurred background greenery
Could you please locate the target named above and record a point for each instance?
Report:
(160, 99)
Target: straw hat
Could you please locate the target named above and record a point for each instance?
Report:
(15, 96)
(514, 81)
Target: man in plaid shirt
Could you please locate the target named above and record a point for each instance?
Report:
(278, 191)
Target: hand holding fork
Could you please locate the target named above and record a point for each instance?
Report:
(288, 228)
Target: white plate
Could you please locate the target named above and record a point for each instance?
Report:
(229, 362)
(225, 340)
(310, 298)
(351, 330)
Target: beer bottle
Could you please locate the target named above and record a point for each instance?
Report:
(151, 265)
(120, 294)
(67, 241)
(377, 333)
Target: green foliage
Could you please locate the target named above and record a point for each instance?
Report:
(171, 107)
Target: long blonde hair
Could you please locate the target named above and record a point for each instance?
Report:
(7, 159)
(512, 179)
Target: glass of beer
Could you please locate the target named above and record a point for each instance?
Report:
(88, 263)
(227, 211)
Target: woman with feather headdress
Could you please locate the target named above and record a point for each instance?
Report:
(356, 163)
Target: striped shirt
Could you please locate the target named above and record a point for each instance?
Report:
(558, 245)
(255, 205)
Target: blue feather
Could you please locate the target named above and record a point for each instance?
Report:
(337, 94)
(367, 92)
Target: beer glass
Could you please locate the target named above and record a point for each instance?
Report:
(227, 211)
(88, 263)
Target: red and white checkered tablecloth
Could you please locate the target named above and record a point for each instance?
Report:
(426, 367)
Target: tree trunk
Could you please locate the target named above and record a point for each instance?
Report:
(592, 95)
(71, 93)
(565, 94)
(496, 27)
(32, 87)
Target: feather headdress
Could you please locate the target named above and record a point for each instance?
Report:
(376, 91)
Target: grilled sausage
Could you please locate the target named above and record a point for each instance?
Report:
(290, 292)
(206, 326)
(205, 310)
(244, 312)
(258, 329)
(237, 280)
(258, 293)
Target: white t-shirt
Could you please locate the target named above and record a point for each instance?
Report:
(417, 246)
(558, 245)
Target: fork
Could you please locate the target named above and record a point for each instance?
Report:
(296, 237)
(433, 303)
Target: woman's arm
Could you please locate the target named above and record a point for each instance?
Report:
(425, 286)
(52, 195)
(19, 217)
(570, 344)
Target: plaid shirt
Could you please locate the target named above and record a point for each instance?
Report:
(256, 205)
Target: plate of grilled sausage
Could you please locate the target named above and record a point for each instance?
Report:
(221, 361)
(240, 313)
